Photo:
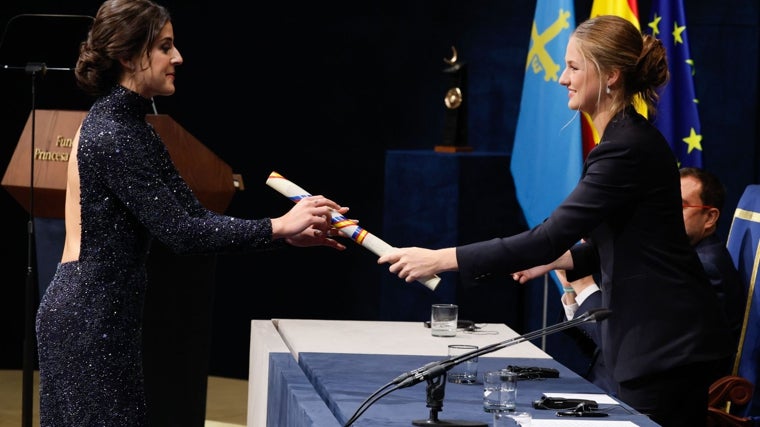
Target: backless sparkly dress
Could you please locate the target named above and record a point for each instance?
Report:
(89, 322)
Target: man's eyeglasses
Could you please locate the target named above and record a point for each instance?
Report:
(698, 206)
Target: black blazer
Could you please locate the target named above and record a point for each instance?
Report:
(627, 206)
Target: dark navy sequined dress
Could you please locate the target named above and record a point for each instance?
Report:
(89, 322)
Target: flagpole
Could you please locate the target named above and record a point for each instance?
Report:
(545, 314)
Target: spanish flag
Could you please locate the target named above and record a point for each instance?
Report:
(629, 10)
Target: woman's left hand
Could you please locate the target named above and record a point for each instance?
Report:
(315, 237)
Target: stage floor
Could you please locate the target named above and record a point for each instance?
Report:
(226, 402)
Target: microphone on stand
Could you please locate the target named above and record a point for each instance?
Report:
(431, 372)
(406, 375)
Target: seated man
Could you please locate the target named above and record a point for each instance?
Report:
(703, 197)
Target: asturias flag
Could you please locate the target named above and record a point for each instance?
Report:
(546, 155)
(677, 116)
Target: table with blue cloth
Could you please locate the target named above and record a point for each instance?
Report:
(323, 388)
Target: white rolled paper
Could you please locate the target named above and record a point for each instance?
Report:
(346, 227)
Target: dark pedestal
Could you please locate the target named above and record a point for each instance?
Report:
(177, 327)
(437, 200)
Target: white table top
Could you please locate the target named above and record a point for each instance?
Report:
(379, 337)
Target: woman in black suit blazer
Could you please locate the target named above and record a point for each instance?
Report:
(666, 333)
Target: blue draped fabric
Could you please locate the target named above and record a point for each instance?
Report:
(346, 381)
(743, 239)
(292, 400)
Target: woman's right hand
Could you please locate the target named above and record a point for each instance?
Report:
(413, 263)
(313, 212)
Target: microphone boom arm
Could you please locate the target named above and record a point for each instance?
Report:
(432, 370)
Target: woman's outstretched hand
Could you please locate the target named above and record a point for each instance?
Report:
(308, 223)
(415, 263)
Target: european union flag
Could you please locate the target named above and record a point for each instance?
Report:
(547, 153)
(677, 116)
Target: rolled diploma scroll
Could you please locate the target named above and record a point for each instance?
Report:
(347, 227)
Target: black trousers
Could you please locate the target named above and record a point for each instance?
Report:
(674, 398)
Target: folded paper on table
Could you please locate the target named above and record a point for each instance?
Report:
(598, 398)
(580, 422)
(346, 226)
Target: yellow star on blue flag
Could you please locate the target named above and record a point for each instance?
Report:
(677, 115)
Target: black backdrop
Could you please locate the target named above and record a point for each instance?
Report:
(319, 92)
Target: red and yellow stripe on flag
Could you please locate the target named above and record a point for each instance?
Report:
(629, 10)
(623, 8)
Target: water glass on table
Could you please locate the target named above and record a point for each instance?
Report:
(499, 391)
(443, 320)
(465, 372)
(511, 419)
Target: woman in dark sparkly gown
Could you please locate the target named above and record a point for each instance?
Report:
(122, 191)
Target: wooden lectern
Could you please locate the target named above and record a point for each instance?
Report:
(179, 297)
(210, 178)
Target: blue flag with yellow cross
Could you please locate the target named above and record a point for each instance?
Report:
(547, 154)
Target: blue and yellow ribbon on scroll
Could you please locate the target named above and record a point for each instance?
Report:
(346, 226)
